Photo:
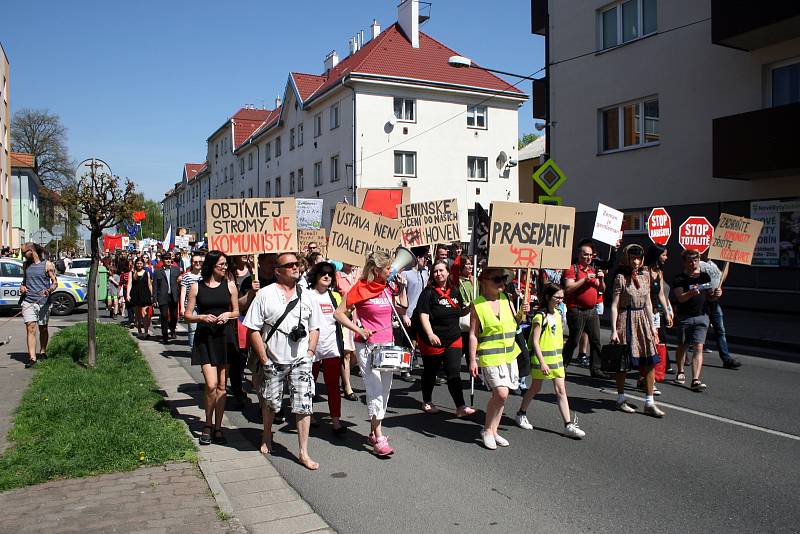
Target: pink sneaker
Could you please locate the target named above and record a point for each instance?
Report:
(382, 447)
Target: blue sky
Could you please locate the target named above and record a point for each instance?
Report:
(142, 84)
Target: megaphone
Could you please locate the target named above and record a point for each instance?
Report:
(403, 259)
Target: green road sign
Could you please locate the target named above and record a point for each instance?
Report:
(549, 177)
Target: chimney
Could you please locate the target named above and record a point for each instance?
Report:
(331, 60)
(408, 18)
(353, 46)
(277, 102)
(375, 29)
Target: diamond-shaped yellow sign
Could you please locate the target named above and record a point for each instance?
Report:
(549, 177)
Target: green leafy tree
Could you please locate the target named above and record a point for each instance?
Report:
(527, 139)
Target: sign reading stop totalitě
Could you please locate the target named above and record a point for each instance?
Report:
(695, 234)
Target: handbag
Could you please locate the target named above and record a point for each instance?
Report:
(253, 362)
(614, 358)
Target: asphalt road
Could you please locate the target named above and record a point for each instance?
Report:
(721, 461)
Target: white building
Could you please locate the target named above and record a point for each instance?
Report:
(392, 113)
(5, 149)
(25, 188)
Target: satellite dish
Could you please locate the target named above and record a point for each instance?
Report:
(390, 122)
(502, 159)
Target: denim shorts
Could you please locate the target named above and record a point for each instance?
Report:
(692, 330)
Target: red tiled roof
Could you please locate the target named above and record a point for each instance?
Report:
(270, 121)
(391, 54)
(245, 122)
(190, 170)
(21, 159)
(307, 83)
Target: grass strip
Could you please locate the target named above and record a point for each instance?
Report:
(73, 421)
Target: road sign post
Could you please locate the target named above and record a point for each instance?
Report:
(695, 234)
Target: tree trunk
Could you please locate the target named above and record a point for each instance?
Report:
(91, 300)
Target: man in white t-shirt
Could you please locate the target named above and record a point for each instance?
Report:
(286, 350)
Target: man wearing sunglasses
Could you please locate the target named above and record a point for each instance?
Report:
(283, 323)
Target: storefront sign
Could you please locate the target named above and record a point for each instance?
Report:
(779, 243)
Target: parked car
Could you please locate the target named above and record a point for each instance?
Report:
(70, 293)
(80, 267)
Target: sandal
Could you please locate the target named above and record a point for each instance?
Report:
(698, 386)
(429, 407)
(351, 396)
(680, 379)
(219, 437)
(205, 437)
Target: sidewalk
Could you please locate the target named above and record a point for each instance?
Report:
(14, 378)
(244, 482)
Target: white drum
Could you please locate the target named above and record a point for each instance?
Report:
(391, 358)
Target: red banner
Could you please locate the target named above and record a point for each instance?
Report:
(138, 216)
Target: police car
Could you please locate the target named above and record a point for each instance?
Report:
(70, 293)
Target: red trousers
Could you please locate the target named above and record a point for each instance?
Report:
(331, 374)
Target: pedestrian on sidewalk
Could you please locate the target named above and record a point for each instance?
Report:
(213, 304)
(691, 287)
(125, 307)
(187, 281)
(654, 260)
(140, 294)
(38, 283)
(330, 347)
(440, 307)
(493, 348)
(632, 325)
(546, 342)
(240, 269)
(583, 283)
(166, 294)
(113, 290)
(374, 302)
(714, 311)
(284, 324)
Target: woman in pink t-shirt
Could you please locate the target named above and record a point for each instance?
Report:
(372, 299)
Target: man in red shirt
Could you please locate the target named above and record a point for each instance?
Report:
(583, 283)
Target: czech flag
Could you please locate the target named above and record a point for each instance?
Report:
(169, 240)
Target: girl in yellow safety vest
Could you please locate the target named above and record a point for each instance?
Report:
(547, 343)
(493, 348)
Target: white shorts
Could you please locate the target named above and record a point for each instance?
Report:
(34, 312)
(501, 376)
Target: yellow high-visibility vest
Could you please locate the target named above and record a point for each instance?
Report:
(496, 342)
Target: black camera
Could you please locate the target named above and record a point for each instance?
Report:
(297, 333)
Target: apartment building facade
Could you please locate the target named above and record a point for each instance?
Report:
(685, 105)
(5, 150)
(25, 192)
(392, 113)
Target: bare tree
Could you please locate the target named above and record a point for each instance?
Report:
(106, 202)
(40, 132)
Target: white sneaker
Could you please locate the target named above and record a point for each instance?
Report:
(488, 440)
(500, 440)
(572, 431)
(522, 422)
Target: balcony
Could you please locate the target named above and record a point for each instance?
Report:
(757, 144)
(749, 25)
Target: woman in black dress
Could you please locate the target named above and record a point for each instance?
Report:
(140, 295)
(213, 304)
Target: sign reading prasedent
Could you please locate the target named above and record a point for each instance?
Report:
(355, 233)
(531, 235)
(252, 225)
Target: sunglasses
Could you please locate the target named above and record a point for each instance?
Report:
(326, 273)
(289, 265)
(498, 279)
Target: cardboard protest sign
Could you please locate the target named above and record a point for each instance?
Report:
(252, 225)
(531, 235)
(428, 223)
(355, 233)
(319, 237)
(182, 242)
(383, 201)
(735, 239)
(309, 213)
(607, 225)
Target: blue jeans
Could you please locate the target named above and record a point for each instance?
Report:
(190, 328)
(715, 314)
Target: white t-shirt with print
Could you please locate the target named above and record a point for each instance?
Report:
(327, 346)
(268, 306)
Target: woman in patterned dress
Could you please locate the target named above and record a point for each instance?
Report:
(632, 324)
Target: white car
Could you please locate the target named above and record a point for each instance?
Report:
(70, 293)
(80, 267)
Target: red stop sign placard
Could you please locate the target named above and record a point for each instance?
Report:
(659, 226)
(695, 234)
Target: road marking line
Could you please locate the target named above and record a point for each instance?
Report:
(711, 416)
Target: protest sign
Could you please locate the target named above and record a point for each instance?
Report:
(309, 213)
(734, 239)
(428, 223)
(252, 225)
(479, 241)
(607, 225)
(319, 237)
(695, 234)
(383, 201)
(182, 242)
(531, 235)
(355, 233)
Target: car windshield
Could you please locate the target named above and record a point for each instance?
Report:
(80, 264)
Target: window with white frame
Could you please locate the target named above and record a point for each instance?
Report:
(241, 166)
(277, 146)
(405, 163)
(318, 124)
(626, 21)
(300, 134)
(335, 116)
(250, 161)
(278, 186)
(291, 139)
(405, 109)
(318, 174)
(476, 117)
(291, 183)
(335, 168)
(267, 152)
(477, 168)
(268, 189)
(630, 125)
(635, 222)
(784, 81)
(300, 185)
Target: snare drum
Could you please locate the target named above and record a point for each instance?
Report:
(391, 358)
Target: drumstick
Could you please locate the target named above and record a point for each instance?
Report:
(471, 390)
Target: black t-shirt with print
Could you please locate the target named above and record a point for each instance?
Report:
(694, 306)
(443, 316)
